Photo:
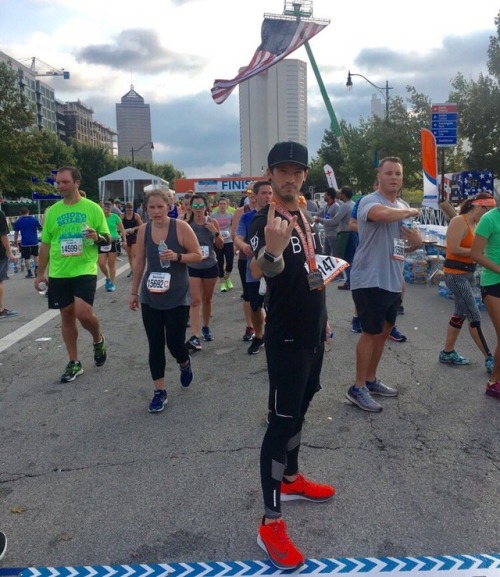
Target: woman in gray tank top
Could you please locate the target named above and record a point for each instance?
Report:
(203, 275)
(164, 290)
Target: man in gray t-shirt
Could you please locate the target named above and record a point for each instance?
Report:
(324, 217)
(377, 277)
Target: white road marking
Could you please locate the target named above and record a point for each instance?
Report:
(39, 321)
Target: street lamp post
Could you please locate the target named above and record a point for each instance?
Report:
(134, 150)
(381, 89)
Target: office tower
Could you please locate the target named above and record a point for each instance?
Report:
(377, 107)
(273, 108)
(133, 123)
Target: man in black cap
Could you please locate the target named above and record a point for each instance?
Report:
(296, 323)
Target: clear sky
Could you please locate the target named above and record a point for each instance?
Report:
(172, 50)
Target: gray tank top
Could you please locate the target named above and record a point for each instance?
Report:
(206, 240)
(153, 283)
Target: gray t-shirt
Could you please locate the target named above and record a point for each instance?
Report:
(325, 218)
(374, 263)
(343, 215)
(206, 239)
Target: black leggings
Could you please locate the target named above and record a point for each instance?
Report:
(165, 326)
(294, 378)
(227, 253)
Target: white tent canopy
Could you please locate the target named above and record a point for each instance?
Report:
(128, 183)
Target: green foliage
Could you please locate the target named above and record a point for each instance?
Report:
(166, 170)
(26, 151)
(20, 154)
(93, 162)
(354, 158)
(479, 121)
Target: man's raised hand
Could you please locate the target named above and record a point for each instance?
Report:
(277, 231)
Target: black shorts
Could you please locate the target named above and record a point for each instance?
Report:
(114, 248)
(492, 290)
(62, 291)
(29, 251)
(4, 269)
(212, 272)
(256, 300)
(375, 306)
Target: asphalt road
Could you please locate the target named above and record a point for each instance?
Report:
(88, 476)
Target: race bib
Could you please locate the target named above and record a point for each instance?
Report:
(105, 248)
(225, 234)
(205, 251)
(399, 249)
(329, 266)
(158, 282)
(71, 247)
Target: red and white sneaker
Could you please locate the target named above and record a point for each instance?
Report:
(280, 549)
(249, 334)
(493, 389)
(302, 488)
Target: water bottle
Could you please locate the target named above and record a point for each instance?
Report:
(85, 231)
(162, 247)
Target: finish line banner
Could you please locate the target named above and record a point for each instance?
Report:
(487, 565)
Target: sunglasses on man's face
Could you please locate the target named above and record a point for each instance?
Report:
(198, 205)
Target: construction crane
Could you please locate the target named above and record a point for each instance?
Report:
(40, 68)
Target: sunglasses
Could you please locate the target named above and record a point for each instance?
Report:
(198, 205)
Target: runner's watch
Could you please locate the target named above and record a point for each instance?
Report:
(271, 258)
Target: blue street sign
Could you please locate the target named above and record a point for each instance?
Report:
(444, 124)
(40, 196)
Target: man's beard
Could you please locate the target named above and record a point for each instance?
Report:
(286, 196)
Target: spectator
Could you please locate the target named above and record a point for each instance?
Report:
(324, 217)
(377, 278)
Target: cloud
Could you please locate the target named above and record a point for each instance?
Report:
(196, 133)
(139, 50)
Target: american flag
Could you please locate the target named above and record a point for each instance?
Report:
(279, 39)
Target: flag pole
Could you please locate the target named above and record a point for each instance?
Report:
(333, 119)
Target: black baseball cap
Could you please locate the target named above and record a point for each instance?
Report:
(288, 152)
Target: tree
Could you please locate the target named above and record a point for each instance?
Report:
(93, 162)
(58, 153)
(166, 170)
(355, 157)
(479, 121)
(21, 157)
